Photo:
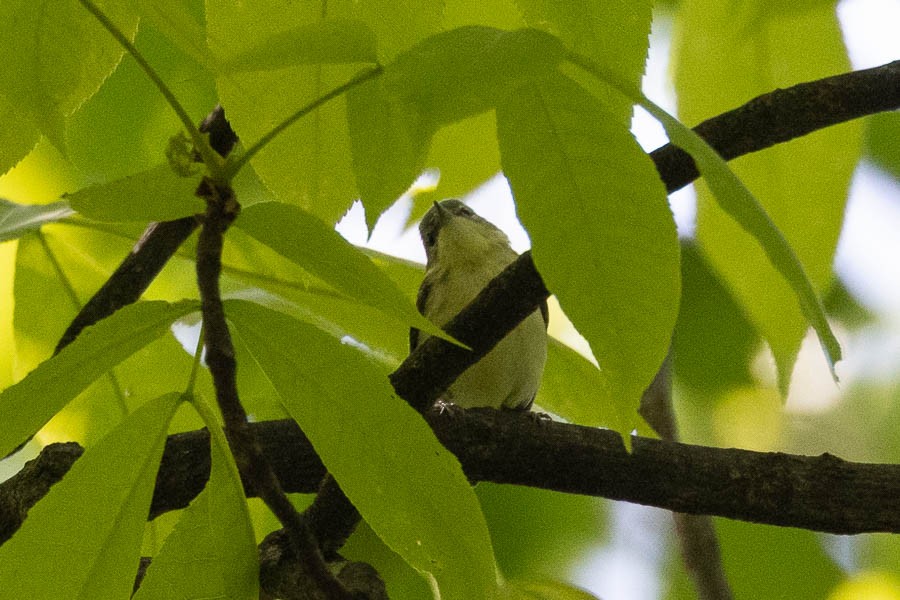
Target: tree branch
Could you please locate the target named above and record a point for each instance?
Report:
(157, 245)
(769, 119)
(819, 493)
(784, 115)
(304, 554)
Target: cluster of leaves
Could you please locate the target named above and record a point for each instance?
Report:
(460, 88)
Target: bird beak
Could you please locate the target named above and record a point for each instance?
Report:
(443, 214)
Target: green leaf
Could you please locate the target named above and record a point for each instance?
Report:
(18, 219)
(323, 42)
(546, 590)
(466, 154)
(212, 551)
(309, 163)
(124, 128)
(397, 25)
(603, 235)
(613, 32)
(547, 547)
(54, 55)
(409, 489)
(300, 237)
(447, 77)
(714, 343)
(181, 23)
(17, 135)
(749, 549)
(794, 182)
(155, 195)
(466, 71)
(30, 403)
(576, 390)
(388, 145)
(736, 200)
(883, 141)
(83, 539)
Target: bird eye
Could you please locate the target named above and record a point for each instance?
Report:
(430, 239)
(465, 210)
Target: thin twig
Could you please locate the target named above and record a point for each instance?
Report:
(696, 533)
(159, 242)
(210, 158)
(222, 209)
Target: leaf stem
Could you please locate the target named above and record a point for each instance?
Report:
(212, 160)
(76, 304)
(232, 169)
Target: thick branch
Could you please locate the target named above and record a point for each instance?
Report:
(820, 493)
(764, 121)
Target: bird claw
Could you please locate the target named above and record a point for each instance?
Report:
(442, 406)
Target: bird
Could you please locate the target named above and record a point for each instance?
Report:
(464, 253)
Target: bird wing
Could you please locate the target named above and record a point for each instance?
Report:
(421, 297)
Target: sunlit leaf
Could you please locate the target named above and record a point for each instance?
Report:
(155, 195)
(388, 145)
(466, 154)
(30, 403)
(447, 77)
(82, 541)
(603, 235)
(576, 390)
(614, 32)
(125, 127)
(409, 489)
(176, 20)
(65, 53)
(212, 551)
(309, 163)
(466, 71)
(323, 42)
(17, 135)
(743, 207)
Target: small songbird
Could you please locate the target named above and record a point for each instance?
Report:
(465, 252)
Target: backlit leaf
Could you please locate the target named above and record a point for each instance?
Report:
(320, 250)
(155, 195)
(603, 235)
(30, 403)
(65, 53)
(212, 551)
(408, 488)
(83, 540)
(801, 185)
